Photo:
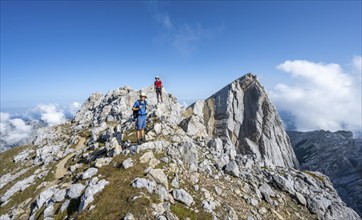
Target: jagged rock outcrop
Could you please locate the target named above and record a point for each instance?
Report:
(221, 161)
(116, 105)
(242, 115)
(336, 154)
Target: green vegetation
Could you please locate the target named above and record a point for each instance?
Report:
(85, 133)
(29, 192)
(39, 213)
(6, 159)
(182, 212)
(130, 135)
(118, 198)
(315, 176)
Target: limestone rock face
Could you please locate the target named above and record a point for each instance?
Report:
(336, 154)
(242, 115)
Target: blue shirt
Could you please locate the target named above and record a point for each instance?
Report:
(142, 105)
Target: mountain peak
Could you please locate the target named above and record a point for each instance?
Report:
(242, 115)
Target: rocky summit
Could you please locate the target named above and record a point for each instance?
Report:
(243, 117)
(336, 154)
(226, 157)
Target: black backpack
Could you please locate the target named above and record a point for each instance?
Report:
(135, 112)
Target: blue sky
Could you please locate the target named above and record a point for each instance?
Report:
(62, 51)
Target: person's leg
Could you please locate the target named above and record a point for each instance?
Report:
(144, 124)
(143, 134)
(158, 95)
(138, 128)
(139, 134)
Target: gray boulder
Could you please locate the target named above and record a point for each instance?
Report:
(59, 195)
(127, 163)
(129, 216)
(5, 217)
(144, 183)
(18, 186)
(189, 154)
(216, 146)
(7, 178)
(75, 190)
(45, 196)
(182, 196)
(232, 169)
(209, 206)
(46, 154)
(89, 173)
(159, 176)
(267, 193)
(49, 211)
(93, 188)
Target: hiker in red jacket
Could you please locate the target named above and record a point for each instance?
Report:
(158, 88)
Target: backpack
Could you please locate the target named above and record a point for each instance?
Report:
(135, 112)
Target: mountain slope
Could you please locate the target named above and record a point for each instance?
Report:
(337, 155)
(186, 169)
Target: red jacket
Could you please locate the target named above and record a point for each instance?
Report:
(158, 84)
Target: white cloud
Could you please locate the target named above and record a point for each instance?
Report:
(323, 96)
(13, 131)
(4, 116)
(52, 114)
(18, 129)
(357, 63)
(73, 108)
(184, 37)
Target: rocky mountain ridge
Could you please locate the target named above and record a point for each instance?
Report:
(336, 154)
(226, 157)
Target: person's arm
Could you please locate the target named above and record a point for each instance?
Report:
(136, 106)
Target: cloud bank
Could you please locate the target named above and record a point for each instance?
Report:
(51, 114)
(18, 129)
(324, 95)
(13, 130)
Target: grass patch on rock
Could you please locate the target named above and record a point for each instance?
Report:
(30, 192)
(119, 198)
(6, 159)
(130, 135)
(315, 176)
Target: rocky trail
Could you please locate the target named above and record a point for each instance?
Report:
(61, 170)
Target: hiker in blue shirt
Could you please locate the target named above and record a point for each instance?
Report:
(140, 107)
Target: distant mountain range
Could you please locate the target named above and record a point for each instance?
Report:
(336, 154)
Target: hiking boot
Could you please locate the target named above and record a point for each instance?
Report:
(143, 139)
(139, 142)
